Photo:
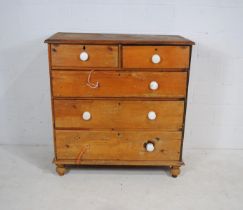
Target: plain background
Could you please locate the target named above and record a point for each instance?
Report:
(215, 109)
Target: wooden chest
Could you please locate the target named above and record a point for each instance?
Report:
(118, 99)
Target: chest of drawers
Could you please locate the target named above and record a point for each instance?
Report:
(118, 99)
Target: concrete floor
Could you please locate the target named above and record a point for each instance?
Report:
(211, 179)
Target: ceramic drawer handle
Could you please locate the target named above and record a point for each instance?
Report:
(84, 56)
(150, 147)
(155, 58)
(152, 115)
(153, 85)
(86, 116)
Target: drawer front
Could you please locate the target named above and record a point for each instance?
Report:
(156, 56)
(117, 145)
(93, 114)
(73, 56)
(119, 84)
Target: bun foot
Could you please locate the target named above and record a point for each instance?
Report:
(61, 170)
(175, 171)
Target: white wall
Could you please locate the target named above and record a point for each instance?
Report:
(215, 109)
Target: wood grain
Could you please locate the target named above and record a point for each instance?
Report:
(158, 163)
(108, 114)
(175, 171)
(96, 38)
(118, 84)
(119, 127)
(141, 56)
(69, 55)
(117, 145)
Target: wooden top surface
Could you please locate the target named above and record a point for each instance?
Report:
(91, 38)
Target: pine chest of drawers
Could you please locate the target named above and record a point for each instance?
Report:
(118, 99)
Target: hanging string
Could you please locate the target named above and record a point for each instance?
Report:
(91, 84)
(81, 153)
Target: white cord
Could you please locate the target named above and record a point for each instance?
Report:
(91, 84)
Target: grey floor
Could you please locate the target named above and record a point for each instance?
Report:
(211, 179)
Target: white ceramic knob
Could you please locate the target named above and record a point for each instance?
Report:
(84, 56)
(86, 116)
(155, 58)
(152, 115)
(153, 85)
(149, 147)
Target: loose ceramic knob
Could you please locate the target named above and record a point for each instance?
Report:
(149, 147)
(152, 115)
(84, 56)
(155, 58)
(86, 116)
(153, 85)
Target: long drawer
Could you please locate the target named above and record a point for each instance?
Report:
(119, 84)
(117, 145)
(156, 56)
(125, 114)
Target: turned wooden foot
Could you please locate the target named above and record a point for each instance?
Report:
(175, 171)
(60, 169)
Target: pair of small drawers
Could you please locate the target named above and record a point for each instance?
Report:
(118, 102)
(110, 56)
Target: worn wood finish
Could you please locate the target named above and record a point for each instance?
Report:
(158, 163)
(141, 56)
(175, 171)
(118, 84)
(64, 55)
(60, 169)
(118, 114)
(117, 145)
(51, 91)
(95, 38)
(119, 130)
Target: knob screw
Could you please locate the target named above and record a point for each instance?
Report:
(150, 147)
(152, 115)
(86, 116)
(153, 85)
(84, 56)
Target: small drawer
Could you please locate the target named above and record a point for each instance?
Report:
(117, 145)
(118, 114)
(156, 56)
(119, 84)
(80, 56)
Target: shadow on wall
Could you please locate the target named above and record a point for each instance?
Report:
(214, 109)
(25, 99)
